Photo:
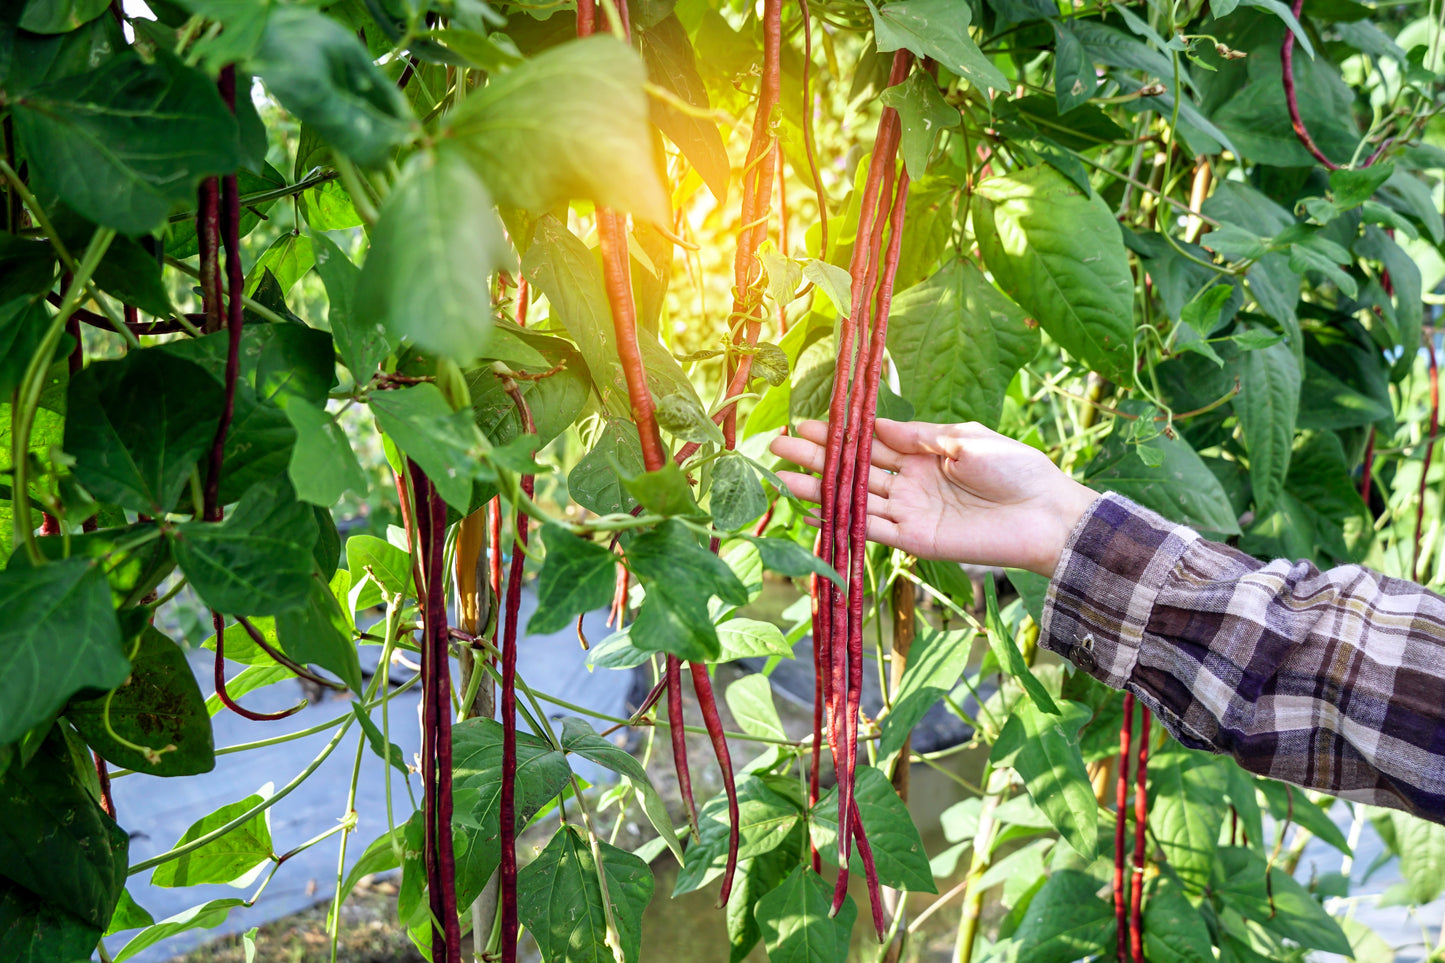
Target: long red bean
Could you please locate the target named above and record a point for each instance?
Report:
(430, 514)
(512, 612)
(863, 459)
(848, 403)
(218, 621)
(702, 685)
(1141, 823)
(208, 241)
(673, 676)
(1121, 824)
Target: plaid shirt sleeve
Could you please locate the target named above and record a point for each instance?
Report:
(1331, 680)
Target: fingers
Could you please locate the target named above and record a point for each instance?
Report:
(809, 441)
(884, 531)
(925, 438)
(810, 489)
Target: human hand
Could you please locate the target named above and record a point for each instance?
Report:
(958, 493)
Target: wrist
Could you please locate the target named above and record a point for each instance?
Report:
(1067, 509)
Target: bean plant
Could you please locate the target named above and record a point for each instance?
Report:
(538, 282)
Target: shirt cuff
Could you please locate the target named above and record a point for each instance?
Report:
(1116, 561)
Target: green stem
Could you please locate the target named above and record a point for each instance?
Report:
(614, 938)
(251, 304)
(243, 818)
(32, 383)
(997, 782)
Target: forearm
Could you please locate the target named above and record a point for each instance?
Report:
(1332, 680)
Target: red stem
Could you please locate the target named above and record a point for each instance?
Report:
(219, 622)
(1429, 450)
(1141, 822)
(702, 685)
(1121, 824)
(1291, 98)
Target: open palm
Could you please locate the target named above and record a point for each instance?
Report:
(954, 492)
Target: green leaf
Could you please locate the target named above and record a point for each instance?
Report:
(318, 633)
(577, 576)
(1174, 930)
(1060, 255)
(579, 738)
(936, 29)
(258, 561)
(897, 846)
(833, 281)
(56, 841)
(1044, 750)
(787, 557)
(362, 346)
(34, 930)
(560, 266)
(1352, 188)
(922, 113)
(680, 576)
(1180, 488)
(329, 208)
(736, 497)
(433, 252)
(1290, 911)
(204, 917)
(288, 259)
(160, 705)
(1267, 406)
(128, 915)
(751, 639)
(595, 483)
(445, 443)
(59, 16)
(389, 568)
(755, 878)
(766, 821)
(957, 343)
(320, 73)
(671, 64)
(1065, 921)
(935, 663)
(665, 491)
(127, 142)
(323, 464)
(750, 700)
(222, 860)
(1421, 847)
(67, 600)
(388, 752)
(1074, 78)
(1186, 809)
(795, 921)
(150, 416)
(582, 106)
(560, 900)
(682, 415)
(542, 773)
(1010, 659)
